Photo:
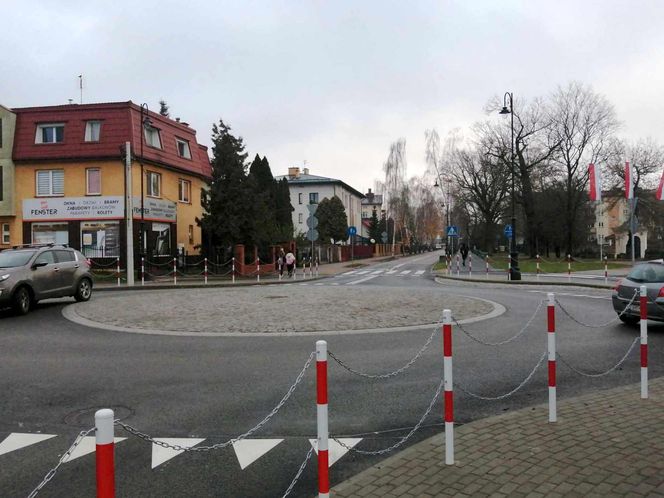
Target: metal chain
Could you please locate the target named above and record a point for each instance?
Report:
(403, 439)
(503, 396)
(586, 374)
(299, 473)
(51, 473)
(102, 265)
(177, 447)
(567, 313)
(390, 374)
(506, 341)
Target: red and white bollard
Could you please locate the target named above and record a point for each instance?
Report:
(322, 420)
(644, 342)
(538, 266)
(509, 267)
(118, 270)
(233, 269)
(316, 267)
(175, 271)
(569, 267)
(142, 270)
(258, 269)
(448, 258)
(205, 270)
(487, 267)
(458, 267)
(281, 271)
(606, 269)
(448, 384)
(551, 348)
(105, 453)
(470, 265)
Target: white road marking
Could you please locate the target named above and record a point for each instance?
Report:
(419, 272)
(398, 266)
(17, 440)
(571, 295)
(355, 282)
(405, 272)
(336, 451)
(363, 272)
(335, 283)
(248, 451)
(319, 284)
(377, 272)
(391, 272)
(87, 445)
(161, 455)
(304, 284)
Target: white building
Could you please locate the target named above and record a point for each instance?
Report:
(306, 189)
(370, 202)
(612, 215)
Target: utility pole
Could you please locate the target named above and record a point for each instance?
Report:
(129, 216)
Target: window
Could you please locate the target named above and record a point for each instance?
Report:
(152, 137)
(64, 256)
(184, 191)
(50, 233)
(100, 239)
(299, 198)
(0, 133)
(47, 257)
(5, 233)
(154, 184)
(92, 131)
(50, 133)
(183, 148)
(50, 182)
(191, 234)
(313, 198)
(93, 181)
(299, 217)
(162, 239)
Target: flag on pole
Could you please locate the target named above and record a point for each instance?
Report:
(595, 175)
(629, 181)
(660, 189)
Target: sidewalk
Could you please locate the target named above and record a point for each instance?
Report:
(609, 443)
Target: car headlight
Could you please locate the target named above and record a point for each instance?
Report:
(4, 277)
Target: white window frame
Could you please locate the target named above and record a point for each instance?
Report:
(299, 218)
(186, 150)
(87, 181)
(39, 134)
(181, 190)
(299, 198)
(150, 187)
(89, 128)
(5, 233)
(51, 190)
(150, 132)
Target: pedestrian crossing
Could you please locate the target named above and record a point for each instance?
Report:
(391, 271)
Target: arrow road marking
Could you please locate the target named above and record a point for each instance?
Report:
(161, 455)
(336, 451)
(18, 440)
(248, 451)
(87, 446)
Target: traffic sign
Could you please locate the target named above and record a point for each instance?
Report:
(508, 231)
(352, 231)
(383, 237)
(312, 221)
(312, 234)
(452, 231)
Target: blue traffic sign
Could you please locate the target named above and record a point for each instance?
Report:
(452, 231)
(352, 231)
(508, 230)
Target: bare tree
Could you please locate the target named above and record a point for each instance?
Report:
(395, 184)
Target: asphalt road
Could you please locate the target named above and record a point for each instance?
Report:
(56, 373)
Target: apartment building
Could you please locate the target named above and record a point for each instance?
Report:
(7, 208)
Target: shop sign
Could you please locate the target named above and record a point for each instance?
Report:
(73, 208)
(156, 210)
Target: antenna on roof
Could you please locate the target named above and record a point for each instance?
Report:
(80, 85)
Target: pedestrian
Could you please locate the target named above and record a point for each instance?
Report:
(290, 263)
(281, 262)
(464, 252)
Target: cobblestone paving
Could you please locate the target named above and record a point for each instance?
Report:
(609, 443)
(277, 309)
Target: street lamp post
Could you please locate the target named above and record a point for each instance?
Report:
(515, 273)
(447, 208)
(145, 123)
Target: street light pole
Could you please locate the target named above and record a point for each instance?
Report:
(145, 122)
(515, 273)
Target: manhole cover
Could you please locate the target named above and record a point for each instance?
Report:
(86, 416)
(276, 297)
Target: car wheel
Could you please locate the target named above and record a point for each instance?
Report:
(629, 320)
(83, 290)
(22, 301)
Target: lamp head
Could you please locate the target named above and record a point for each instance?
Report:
(504, 110)
(436, 184)
(147, 122)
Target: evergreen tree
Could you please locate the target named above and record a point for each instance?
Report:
(374, 226)
(264, 189)
(332, 220)
(283, 211)
(163, 108)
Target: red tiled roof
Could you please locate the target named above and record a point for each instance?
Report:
(121, 122)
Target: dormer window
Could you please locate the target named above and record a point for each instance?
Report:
(183, 148)
(50, 133)
(92, 131)
(152, 136)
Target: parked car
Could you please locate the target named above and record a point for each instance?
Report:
(650, 274)
(29, 274)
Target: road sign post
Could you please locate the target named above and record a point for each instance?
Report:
(352, 231)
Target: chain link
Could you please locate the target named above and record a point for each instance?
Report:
(299, 473)
(586, 374)
(506, 341)
(503, 396)
(390, 374)
(403, 439)
(177, 447)
(51, 473)
(625, 309)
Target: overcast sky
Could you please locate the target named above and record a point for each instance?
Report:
(334, 83)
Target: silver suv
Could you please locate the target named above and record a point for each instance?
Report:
(31, 273)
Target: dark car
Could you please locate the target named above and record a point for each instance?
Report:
(29, 274)
(650, 274)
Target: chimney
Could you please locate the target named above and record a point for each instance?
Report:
(305, 171)
(294, 172)
(177, 119)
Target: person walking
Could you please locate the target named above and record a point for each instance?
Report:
(290, 263)
(464, 252)
(281, 261)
